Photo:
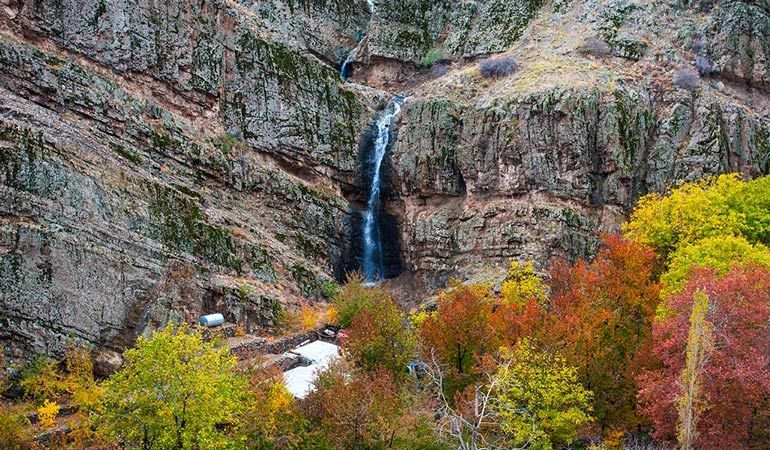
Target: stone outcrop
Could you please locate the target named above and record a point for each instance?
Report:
(535, 164)
(537, 176)
(410, 30)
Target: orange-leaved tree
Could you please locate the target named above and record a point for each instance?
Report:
(459, 333)
(353, 409)
(380, 337)
(600, 317)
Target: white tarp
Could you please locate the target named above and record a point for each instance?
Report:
(299, 381)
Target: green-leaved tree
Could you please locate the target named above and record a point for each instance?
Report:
(175, 391)
(538, 401)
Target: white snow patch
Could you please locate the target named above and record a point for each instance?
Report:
(299, 381)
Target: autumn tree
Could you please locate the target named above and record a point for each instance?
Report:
(733, 382)
(355, 409)
(716, 222)
(379, 337)
(460, 332)
(272, 417)
(721, 253)
(538, 401)
(713, 207)
(51, 384)
(600, 317)
(73, 381)
(512, 322)
(354, 296)
(697, 351)
(174, 391)
(523, 284)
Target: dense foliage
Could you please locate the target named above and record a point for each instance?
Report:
(734, 376)
(175, 391)
(600, 316)
(356, 409)
(538, 399)
(377, 338)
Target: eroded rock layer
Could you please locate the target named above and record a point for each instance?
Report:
(160, 160)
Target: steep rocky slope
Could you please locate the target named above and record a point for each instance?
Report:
(160, 160)
(163, 159)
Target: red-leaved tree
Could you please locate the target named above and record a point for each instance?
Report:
(600, 317)
(734, 381)
(460, 333)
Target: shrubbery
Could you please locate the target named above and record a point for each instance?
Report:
(353, 297)
(15, 429)
(432, 57)
(704, 66)
(686, 79)
(498, 67)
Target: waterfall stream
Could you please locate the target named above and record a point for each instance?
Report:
(373, 261)
(351, 56)
(354, 53)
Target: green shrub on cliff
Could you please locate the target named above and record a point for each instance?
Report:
(432, 57)
(15, 431)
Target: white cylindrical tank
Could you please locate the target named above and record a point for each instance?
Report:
(212, 320)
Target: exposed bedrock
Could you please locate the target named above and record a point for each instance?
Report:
(163, 159)
(539, 175)
(158, 160)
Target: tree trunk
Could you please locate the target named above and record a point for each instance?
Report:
(699, 344)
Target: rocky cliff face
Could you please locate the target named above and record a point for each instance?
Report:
(163, 159)
(535, 164)
(159, 160)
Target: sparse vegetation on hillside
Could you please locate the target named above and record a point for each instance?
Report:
(686, 79)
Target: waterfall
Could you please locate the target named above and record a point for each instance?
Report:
(373, 264)
(350, 58)
(354, 53)
(344, 67)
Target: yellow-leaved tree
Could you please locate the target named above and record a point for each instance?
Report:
(699, 343)
(174, 391)
(718, 222)
(537, 399)
(523, 284)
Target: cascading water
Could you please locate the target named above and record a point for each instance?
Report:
(354, 53)
(373, 261)
(351, 56)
